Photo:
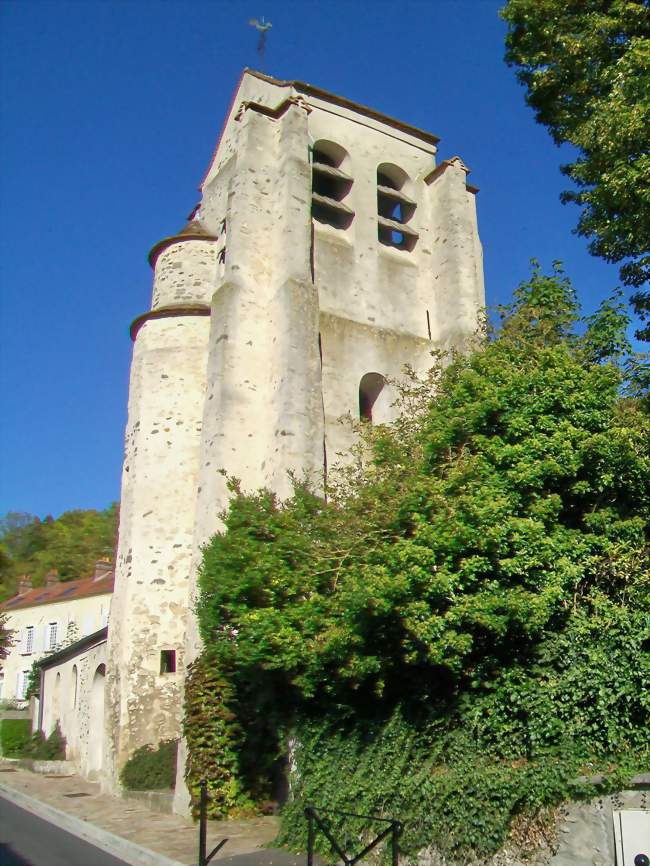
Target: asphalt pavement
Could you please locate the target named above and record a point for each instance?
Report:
(27, 840)
(114, 831)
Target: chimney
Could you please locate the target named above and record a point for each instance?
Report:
(51, 577)
(24, 583)
(103, 567)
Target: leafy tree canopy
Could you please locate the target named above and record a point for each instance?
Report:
(462, 626)
(516, 483)
(71, 544)
(586, 67)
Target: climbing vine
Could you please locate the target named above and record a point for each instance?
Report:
(213, 738)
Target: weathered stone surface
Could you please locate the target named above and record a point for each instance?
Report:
(301, 311)
(583, 836)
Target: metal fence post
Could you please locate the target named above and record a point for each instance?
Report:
(310, 836)
(394, 840)
(203, 823)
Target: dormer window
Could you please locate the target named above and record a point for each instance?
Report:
(394, 208)
(330, 185)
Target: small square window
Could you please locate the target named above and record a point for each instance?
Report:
(168, 661)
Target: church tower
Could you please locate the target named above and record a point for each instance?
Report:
(328, 250)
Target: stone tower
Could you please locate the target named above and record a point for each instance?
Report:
(327, 251)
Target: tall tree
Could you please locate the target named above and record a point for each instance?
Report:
(586, 67)
(71, 544)
(484, 512)
(462, 626)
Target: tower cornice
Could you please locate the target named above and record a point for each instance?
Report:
(167, 312)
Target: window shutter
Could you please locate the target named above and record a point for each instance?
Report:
(46, 633)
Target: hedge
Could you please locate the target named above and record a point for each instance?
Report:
(15, 734)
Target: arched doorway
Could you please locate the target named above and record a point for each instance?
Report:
(96, 723)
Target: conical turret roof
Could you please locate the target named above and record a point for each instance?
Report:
(191, 231)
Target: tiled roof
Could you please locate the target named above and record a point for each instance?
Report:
(66, 591)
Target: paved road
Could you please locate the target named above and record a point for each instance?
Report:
(26, 840)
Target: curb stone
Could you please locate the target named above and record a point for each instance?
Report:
(130, 852)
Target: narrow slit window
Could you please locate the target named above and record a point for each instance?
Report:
(75, 685)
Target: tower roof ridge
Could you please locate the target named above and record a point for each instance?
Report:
(311, 90)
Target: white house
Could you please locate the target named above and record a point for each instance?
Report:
(46, 618)
(72, 684)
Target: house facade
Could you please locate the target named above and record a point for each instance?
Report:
(43, 619)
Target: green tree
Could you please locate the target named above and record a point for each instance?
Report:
(473, 526)
(586, 67)
(71, 544)
(5, 637)
(457, 595)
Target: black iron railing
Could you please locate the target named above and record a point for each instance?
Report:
(204, 857)
(316, 823)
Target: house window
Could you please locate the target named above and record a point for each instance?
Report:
(29, 640)
(168, 662)
(330, 184)
(394, 208)
(21, 684)
(51, 636)
(75, 683)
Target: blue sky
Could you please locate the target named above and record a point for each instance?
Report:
(110, 112)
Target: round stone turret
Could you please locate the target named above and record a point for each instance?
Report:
(185, 267)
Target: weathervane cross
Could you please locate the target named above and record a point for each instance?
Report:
(262, 28)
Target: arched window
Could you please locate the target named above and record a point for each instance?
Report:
(75, 685)
(370, 388)
(330, 184)
(96, 744)
(394, 208)
(56, 701)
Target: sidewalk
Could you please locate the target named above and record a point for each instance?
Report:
(170, 837)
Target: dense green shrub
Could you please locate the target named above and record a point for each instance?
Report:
(42, 748)
(150, 769)
(463, 625)
(456, 773)
(14, 736)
